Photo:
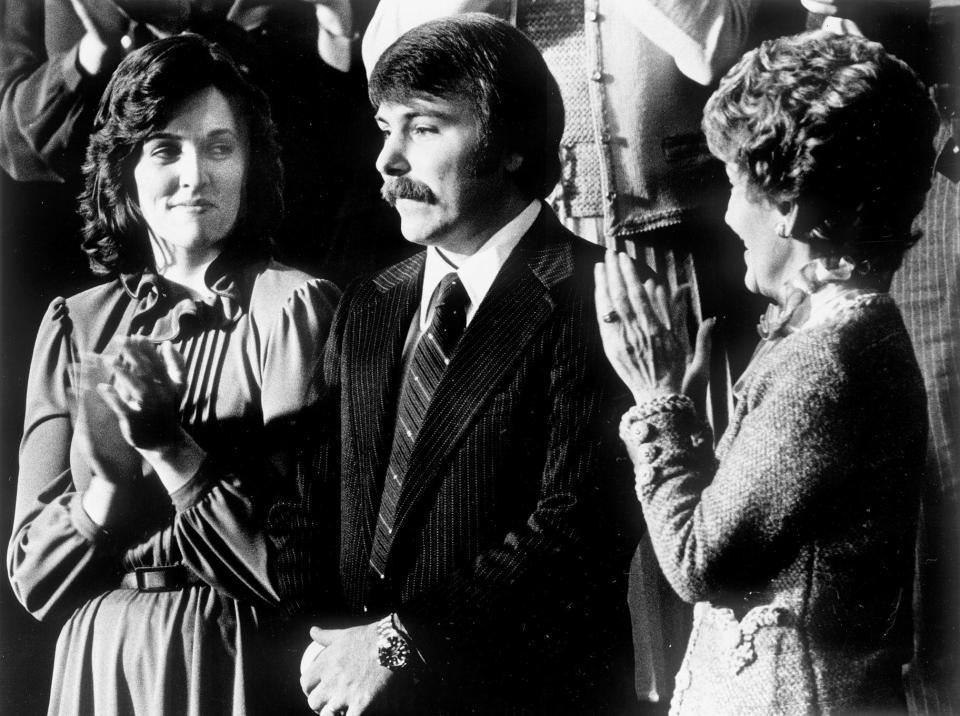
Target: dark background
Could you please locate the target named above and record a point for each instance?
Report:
(40, 259)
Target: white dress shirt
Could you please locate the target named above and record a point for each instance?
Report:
(478, 272)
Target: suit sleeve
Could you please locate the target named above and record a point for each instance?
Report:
(572, 546)
(46, 103)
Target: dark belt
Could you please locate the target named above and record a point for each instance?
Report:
(159, 579)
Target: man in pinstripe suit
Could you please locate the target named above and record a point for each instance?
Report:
(487, 517)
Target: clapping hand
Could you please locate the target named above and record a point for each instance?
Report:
(144, 392)
(645, 336)
(127, 402)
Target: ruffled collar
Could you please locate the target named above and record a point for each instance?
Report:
(166, 311)
(819, 291)
(824, 289)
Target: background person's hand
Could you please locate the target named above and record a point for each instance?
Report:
(841, 16)
(335, 32)
(645, 335)
(100, 48)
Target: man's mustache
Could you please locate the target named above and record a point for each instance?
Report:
(406, 188)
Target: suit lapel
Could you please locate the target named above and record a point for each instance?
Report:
(518, 304)
(376, 334)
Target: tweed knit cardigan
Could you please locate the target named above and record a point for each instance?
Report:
(795, 539)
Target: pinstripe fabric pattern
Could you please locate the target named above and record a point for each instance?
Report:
(515, 522)
(927, 289)
(430, 359)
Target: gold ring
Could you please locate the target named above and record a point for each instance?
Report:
(610, 317)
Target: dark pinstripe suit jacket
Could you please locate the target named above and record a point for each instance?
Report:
(516, 519)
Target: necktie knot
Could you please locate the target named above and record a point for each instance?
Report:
(449, 312)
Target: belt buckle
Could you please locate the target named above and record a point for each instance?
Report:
(164, 582)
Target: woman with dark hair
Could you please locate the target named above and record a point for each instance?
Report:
(794, 538)
(149, 393)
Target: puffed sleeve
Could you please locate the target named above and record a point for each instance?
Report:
(221, 522)
(57, 555)
(292, 351)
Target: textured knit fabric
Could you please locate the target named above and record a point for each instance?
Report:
(250, 352)
(796, 540)
(515, 521)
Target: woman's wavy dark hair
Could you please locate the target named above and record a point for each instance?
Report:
(146, 89)
(838, 125)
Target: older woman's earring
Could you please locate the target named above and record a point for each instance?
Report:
(781, 229)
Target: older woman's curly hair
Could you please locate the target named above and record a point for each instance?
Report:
(837, 125)
(146, 89)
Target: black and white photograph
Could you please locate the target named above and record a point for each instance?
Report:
(521, 357)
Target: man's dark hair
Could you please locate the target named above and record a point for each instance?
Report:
(146, 89)
(495, 67)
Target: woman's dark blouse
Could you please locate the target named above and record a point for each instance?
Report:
(251, 353)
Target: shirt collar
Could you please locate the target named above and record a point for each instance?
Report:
(478, 272)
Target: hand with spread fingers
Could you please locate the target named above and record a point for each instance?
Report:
(644, 333)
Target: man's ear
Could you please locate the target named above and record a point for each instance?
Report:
(512, 161)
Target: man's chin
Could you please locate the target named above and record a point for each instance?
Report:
(412, 228)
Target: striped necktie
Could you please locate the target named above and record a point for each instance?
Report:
(430, 358)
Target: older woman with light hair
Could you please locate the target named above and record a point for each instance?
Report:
(794, 537)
